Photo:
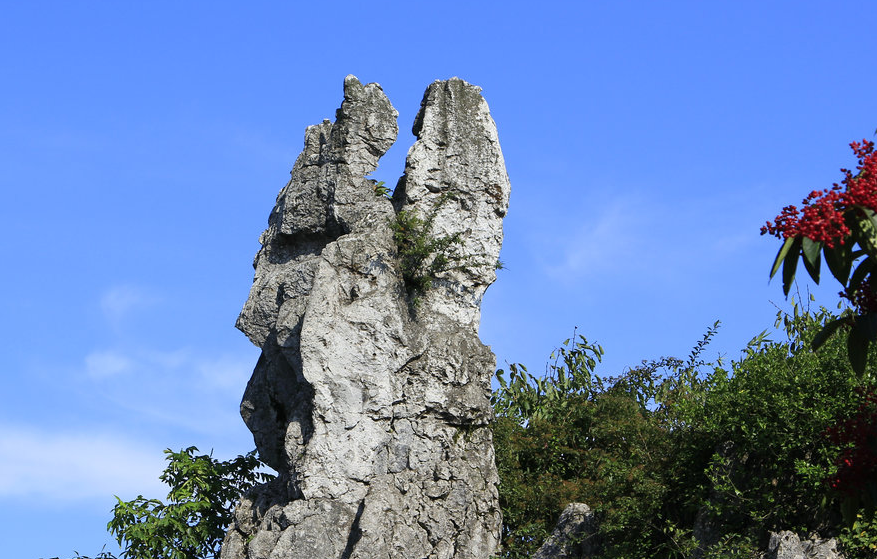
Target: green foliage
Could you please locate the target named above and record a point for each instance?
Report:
(381, 189)
(422, 255)
(859, 539)
(743, 449)
(199, 507)
(573, 436)
(856, 476)
(525, 396)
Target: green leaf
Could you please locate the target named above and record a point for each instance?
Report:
(790, 264)
(826, 333)
(499, 377)
(861, 273)
(839, 260)
(869, 325)
(857, 348)
(812, 258)
(781, 255)
(864, 229)
(848, 509)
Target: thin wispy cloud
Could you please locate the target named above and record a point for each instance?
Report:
(183, 388)
(119, 301)
(607, 238)
(55, 466)
(226, 373)
(644, 234)
(105, 364)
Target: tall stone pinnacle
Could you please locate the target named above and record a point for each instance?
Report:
(370, 402)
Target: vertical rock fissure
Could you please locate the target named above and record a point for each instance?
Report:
(355, 532)
(376, 418)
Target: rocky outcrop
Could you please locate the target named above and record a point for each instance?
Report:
(372, 401)
(787, 545)
(574, 537)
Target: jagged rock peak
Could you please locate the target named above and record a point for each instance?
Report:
(321, 201)
(375, 410)
(455, 173)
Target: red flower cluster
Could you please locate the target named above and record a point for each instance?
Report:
(862, 187)
(821, 218)
(857, 464)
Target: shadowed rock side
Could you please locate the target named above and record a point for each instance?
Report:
(374, 413)
(574, 537)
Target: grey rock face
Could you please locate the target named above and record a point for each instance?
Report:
(573, 537)
(375, 413)
(787, 545)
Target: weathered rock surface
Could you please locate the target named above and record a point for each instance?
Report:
(787, 545)
(375, 412)
(574, 537)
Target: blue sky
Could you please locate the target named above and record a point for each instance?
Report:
(142, 147)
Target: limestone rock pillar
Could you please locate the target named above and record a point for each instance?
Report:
(374, 409)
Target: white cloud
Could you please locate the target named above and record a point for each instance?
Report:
(614, 239)
(120, 300)
(605, 241)
(104, 364)
(225, 372)
(182, 388)
(641, 233)
(74, 467)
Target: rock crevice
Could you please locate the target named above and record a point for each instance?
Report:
(375, 412)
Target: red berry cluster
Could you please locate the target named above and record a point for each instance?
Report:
(862, 187)
(821, 218)
(857, 463)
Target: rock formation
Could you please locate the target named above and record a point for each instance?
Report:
(574, 537)
(787, 545)
(372, 400)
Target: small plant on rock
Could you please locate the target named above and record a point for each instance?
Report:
(381, 189)
(422, 256)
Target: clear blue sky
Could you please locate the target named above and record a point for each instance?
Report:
(143, 147)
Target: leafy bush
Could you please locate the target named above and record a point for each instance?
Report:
(675, 448)
(199, 509)
(769, 417)
(572, 436)
(856, 475)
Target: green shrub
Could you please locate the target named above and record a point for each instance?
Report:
(742, 449)
(572, 436)
(200, 507)
(771, 414)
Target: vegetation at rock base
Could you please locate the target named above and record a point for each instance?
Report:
(783, 438)
(677, 446)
